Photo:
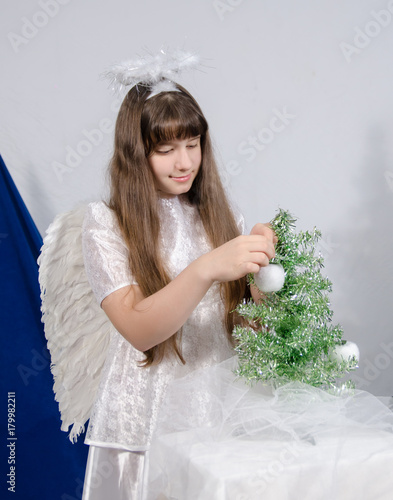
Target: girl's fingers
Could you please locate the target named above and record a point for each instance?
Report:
(260, 259)
(263, 230)
(261, 244)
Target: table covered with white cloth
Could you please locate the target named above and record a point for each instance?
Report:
(295, 442)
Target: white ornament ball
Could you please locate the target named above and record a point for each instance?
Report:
(345, 352)
(270, 278)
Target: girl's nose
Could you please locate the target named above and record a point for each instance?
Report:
(183, 160)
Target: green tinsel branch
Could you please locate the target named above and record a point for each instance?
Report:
(291, 337)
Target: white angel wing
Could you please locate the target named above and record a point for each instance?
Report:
(75, 326)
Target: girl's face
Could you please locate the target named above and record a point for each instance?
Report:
(175, 165)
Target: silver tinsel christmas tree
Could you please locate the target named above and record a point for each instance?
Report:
(292, 337)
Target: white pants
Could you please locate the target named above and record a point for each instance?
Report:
(113, 474)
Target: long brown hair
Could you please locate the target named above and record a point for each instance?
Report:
(142, 124)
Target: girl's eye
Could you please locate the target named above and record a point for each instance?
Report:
(193, 145)
(163, 151)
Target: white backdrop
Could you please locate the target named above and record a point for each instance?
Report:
(298, 97)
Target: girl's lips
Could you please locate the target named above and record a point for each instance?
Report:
(185, 178)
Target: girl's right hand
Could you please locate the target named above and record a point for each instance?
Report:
(240, 256)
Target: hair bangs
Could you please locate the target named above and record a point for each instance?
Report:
(181, 127)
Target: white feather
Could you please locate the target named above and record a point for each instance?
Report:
(150, 69)
(76, 328)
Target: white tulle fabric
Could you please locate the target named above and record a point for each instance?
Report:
(292, 442)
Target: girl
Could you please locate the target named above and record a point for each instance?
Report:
(167, 262)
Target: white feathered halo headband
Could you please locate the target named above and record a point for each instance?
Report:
(154, 71)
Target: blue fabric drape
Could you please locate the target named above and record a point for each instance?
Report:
(47, 465)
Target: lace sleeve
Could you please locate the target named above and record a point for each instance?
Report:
(105, 253)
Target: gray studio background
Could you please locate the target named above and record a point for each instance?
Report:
(298, 95)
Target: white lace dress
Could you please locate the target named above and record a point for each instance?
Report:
(129, 398)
